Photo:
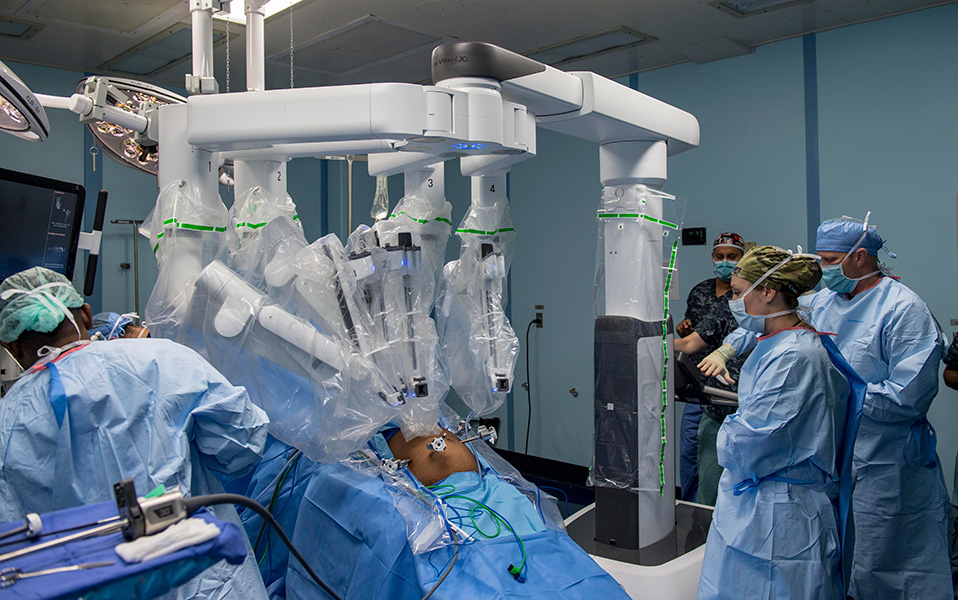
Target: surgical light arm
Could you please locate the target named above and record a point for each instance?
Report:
(97, 98)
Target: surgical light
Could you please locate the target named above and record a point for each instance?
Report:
(119, 142)
(469, 146)
(21, 114)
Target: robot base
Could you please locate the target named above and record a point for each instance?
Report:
(666, 570)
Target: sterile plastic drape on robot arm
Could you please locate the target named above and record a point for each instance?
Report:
(635, 270)
(480, 345)
(306, 281)
(318, 396)
(318, 283)
(412, 245)
(251, 212)
(283, 239)
(186, 233)
(347, 306)
(430, 222)
(365, 260)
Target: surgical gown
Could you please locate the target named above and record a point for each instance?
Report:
(774, 532)
(901, 505)
(151, 410)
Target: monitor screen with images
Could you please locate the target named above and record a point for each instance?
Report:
(40, 223)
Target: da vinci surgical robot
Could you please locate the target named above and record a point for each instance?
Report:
(483, 108)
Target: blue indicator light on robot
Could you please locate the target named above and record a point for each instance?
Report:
(475, 146)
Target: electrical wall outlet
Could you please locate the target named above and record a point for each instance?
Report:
(539, 309)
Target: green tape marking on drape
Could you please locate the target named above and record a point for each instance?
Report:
(665, 365)
(258, 225)
(176, 223)
(440, 219)
(481, 232)
(662, 222)
(181, 225)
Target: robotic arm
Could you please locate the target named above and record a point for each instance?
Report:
(320, 397)
(476, 335)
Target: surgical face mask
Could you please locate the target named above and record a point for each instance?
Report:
(750, 322)
(756, 323)
(833, 276)
(723, 269)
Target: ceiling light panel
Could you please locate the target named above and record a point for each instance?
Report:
(158, 53)
(17, 29)
(122, 17)
(748, 8)
(593, 44)
(237, 12)
(360, 45)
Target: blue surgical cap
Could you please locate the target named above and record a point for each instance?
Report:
(841, 235)
(110, 325)
(34, 300)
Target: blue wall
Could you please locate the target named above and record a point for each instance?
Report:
(856, 119)
(889, 143)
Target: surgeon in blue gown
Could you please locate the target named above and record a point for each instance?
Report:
(86, 415)
(890, 337)
(778, 523)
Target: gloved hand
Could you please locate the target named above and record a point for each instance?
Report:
(713, 365)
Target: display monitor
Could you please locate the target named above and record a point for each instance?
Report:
(40, 223)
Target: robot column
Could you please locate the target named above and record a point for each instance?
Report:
(634, 418)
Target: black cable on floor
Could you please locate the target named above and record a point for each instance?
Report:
(197, 502)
